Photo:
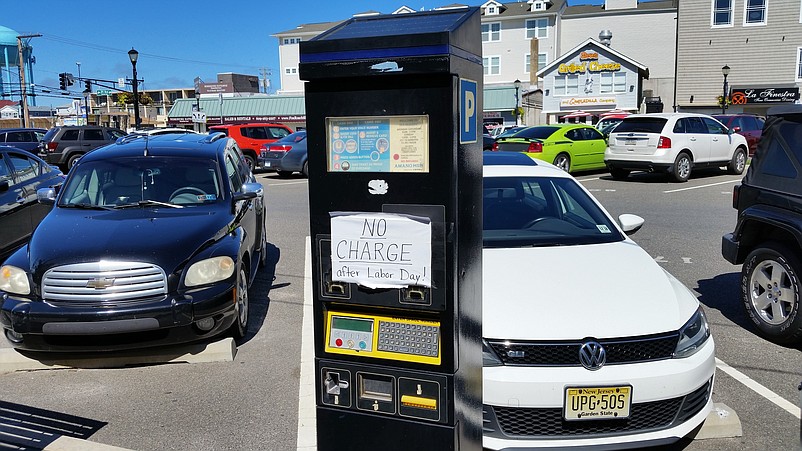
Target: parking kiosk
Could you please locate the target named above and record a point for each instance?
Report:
(393, 105)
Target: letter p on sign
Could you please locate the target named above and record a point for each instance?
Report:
(467, 111)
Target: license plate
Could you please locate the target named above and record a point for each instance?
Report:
(597, 403)
(267, 164)
(630, 142)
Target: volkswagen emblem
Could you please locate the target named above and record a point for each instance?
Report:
(592, 355)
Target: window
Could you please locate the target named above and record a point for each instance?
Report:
(755, 12)
(537, 28)
(566, 85)
(70, 135)
(233, 173)
(277, 132)
(24, 168)
(491, 10)
(492, 65)
(290, 70)
(722, 13)
(491, 32)
(93, 135)
(799, 64)
(714, 127)
(5, 174)
(613, 82)
(287, 41)
(254, 132)
(541, 62)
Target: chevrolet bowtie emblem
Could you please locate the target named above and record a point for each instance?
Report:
(100, 283)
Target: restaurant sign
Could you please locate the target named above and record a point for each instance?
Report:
(743, 96)
(588, 101)
(588, 62)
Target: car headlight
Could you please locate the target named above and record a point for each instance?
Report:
(14, 280)
(209, 271)
(489, 357)
(692, 335)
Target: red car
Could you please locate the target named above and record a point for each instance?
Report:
(250, 137)
(748, 125)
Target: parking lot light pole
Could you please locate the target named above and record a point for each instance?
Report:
(517, 84)
(133, 55)
(725, 71)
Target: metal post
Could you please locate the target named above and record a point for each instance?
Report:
(23, 88)
(725, 71)
(78, 114)
(517, 84)
(133, 55)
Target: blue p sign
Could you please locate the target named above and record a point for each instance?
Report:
(467, 111)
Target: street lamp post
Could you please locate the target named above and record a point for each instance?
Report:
(725, 71)
(133, 55)
(517, 84)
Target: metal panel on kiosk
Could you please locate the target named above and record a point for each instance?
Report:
(393, 105)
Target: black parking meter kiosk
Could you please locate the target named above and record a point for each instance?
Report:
(393, 106)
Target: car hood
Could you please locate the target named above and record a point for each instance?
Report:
(574, 292)
(167, 237)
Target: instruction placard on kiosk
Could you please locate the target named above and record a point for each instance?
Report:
(378, 144)
(380, 250)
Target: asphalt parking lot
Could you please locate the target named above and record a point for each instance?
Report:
(252, 401)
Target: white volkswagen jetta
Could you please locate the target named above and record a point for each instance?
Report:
(587, 340)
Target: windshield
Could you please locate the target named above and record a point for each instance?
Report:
(142, 181)
(542, 211)
(538, 132)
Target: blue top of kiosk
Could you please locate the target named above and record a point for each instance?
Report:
(418, 36)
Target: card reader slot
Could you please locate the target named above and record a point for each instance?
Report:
(376, 387)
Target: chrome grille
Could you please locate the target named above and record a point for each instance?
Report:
(619, 350)
(103, 284)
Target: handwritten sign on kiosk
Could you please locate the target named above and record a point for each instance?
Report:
(381, 250)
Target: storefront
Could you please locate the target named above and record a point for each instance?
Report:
(757, 100)
(590, 80)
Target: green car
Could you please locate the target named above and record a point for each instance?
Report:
(571, 147)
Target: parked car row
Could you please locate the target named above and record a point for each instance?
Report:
(672, 143)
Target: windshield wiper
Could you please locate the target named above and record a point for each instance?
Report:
(149, 203)
(86, 206)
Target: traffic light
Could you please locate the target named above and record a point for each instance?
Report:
(87, 85)
(62, 81)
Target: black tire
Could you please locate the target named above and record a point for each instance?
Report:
(619, 174)
(284, 174)
(251, 162)
(305, 169)
(563, 161)
(770, 289)
(263, 250)
(73, 159)
(241, 306)
(738, 162)
(681, 170)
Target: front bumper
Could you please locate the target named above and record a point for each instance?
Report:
(670, 398)
(170, 320)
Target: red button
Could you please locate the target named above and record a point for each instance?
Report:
(338, 342)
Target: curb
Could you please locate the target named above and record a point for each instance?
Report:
(721, 422)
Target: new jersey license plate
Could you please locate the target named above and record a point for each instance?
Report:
(597, 403)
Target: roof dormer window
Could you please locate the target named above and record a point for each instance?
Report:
(538, 5)
(492, 8)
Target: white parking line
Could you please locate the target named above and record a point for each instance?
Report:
(759, 389)
(588, 180)
(701, 186)
(306, 439)
(287, 183)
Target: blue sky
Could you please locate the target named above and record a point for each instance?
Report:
(177, 40)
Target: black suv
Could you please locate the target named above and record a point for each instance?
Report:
(64, 145)
(768, 235)
(151, 241)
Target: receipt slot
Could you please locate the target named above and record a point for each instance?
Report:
(393, 105)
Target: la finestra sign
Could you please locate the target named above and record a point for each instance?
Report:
(745, 96)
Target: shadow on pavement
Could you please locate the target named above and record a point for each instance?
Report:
(28, 428)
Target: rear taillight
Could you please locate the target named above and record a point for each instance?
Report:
(735, 190)
(52, 146)
(535, 147)
(664, 143)
(279, 148)
(495, 147)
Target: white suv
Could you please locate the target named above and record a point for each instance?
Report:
(674, 143)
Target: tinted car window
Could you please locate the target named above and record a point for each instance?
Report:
(574, 135)
(93, 134)
(748, 123)
(641, 124)
(5, 172)
(695, 125)
(714, 126)
(292, 138)
(277, 132)
(591, 133)
(540, 132)
(70, 135)
(24, 168)
(232, 173)
(19, 137)
(776, 162)
(50, 134)
(254, 132)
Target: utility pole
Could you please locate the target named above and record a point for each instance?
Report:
(23, 87)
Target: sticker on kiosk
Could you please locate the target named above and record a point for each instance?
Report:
(381, 250)
(378, 144)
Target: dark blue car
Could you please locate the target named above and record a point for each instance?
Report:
(285, 156)
(151, 241)
(21, 175)
(22, 138)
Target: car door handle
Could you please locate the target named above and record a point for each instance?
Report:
(692, 138)
(20, 199)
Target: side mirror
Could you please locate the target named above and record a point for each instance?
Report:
(630, 223)
(736, 129)
(46, 196)
(249, 191)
